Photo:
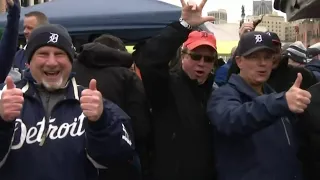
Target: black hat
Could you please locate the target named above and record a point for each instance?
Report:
(253, 41)
(275, 37)
(49, 35)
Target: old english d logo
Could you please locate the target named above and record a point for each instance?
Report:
(204, 34)
(53, 38)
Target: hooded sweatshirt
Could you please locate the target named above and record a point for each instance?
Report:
(110, 67)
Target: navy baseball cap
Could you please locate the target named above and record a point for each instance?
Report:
(253, 41)
(275, 38)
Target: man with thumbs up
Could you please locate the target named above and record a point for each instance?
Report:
(11, 101)
(253, 125)
(51, 128)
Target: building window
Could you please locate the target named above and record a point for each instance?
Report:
(36, 1)
(24, 3)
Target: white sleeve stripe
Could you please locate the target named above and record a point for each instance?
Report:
(127, 140)
(6, 156)
(126, 136)
(95, 164)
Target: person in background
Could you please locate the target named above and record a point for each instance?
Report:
(52, 128)
(313, 55)
(107, 60)
(283, 74)
(9, 41)
(221, 75)
(254, 137)
(297, 54)
(31, 20)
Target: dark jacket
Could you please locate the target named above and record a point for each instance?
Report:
(310, 136)
(284, 76)
(221, 75)
(20, 60)
(9, 41)
(314, 67)
(117, 83)
(74, 148)
(254, 137)
(182, 135)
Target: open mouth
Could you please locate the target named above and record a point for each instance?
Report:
(52, 74)
(199, 73)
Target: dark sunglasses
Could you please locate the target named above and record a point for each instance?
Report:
(197, 57)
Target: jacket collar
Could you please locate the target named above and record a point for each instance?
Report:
(193, 82)
(239, 84)
(29, 86)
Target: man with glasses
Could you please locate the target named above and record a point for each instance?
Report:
(253, 125)
(198, 54)
(182, 135)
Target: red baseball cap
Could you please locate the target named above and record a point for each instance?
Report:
(200, 38)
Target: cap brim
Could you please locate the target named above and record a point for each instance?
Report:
(276, 41)
(258, 48)
(196, 44)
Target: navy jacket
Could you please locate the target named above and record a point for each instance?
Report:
(74, 149)
(254, 138)
(20, 60)
(9, 41)
(221, 75)
(314, 66)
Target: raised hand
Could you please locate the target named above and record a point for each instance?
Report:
(297, 99)
(91, 102)
(246, 27)
(11, 102)
(192, 13)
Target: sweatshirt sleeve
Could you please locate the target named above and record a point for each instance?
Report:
(6, 133)
(153, 62)
(108, 140)
(232, 117)
(9, 40)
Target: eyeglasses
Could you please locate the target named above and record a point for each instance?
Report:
(197, 57)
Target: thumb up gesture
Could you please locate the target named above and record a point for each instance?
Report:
(11, 101)
(91, 102)
(297, 99)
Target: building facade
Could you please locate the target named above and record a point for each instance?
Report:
(308, 31)
(274, 23)
(262, 7)
(221, 16)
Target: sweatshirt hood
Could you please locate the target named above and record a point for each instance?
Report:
(97, 55)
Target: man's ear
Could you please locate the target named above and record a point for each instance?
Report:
(239, 61)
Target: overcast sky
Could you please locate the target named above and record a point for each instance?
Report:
(233, 7)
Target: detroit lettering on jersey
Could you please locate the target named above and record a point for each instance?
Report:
(33, 134)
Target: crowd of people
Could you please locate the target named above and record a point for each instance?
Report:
(87, 115)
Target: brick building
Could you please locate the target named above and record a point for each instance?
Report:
(309, 31)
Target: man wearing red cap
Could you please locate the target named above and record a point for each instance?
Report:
(198, 55)
(182, 134)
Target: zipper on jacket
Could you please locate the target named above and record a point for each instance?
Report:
(286, 132)
(46, 125)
